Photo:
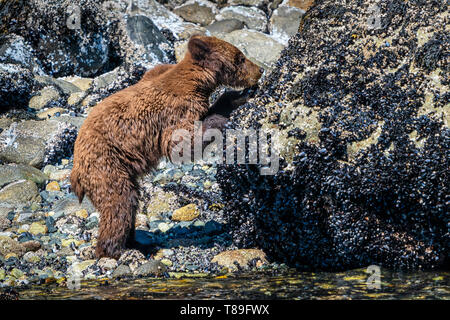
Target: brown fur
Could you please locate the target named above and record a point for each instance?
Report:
(126, 134)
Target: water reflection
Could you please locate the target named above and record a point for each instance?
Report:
(261, 285)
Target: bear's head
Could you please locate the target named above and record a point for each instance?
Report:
(228, 63)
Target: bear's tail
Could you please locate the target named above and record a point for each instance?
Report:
(76, 185)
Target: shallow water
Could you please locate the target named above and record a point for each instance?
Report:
(289, 285)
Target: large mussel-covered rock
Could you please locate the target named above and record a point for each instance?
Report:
(360, 99)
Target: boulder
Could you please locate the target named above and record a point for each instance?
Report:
(256, 3)
(253, 17)
(240, 259)
(257, 46)
(16, 86)
(22, 192)
(37, 143)
(197, 11)
(359, 103)
(225, 26)
(14, 172)
(284, 23)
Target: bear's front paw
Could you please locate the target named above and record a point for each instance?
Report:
(214, 121)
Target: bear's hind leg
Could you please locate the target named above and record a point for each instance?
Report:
(117, 217)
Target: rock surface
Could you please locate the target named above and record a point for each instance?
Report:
(14, 172)
(362, 114)
(240, 259)
(197, 11)
(259, 47)
(37, 143)
(253, 18)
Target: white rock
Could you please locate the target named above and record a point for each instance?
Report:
(253, 17)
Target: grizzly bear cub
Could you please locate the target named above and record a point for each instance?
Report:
(126, 134)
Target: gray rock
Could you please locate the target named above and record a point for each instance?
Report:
(190, 29)
(197, 11)
(25, 217)
(13, 172)
(284, 23)
(5, 123)
(5, 210)
(65, 86)
(91, 222)
(107, 264)
(257, 46)
(43, 98)
(151, 268)
(256, 3)
(16, 86)
(37, 143)
(225, 26)
(144, 33)
(105, 79)
(253, 18)
(70, 205)
(4, 223)
(122, 271)
(243, 258)
(160, 15)
(22, 192)
(74, 121)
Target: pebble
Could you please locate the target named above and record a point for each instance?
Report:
(186, 213)
(25, 216)
(122, 271)
(31, 245)
(16, 273)
(37, 228)
(242, 257)
(69, 242)
(91, 222)
(8, 246)
(31, 257)
(164, 227)
(4, 223)
(53, 186)
(79, 267)
(107, 264)
(82, 213)
(152, 267)
(141, 220)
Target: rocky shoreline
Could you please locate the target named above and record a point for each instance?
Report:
(52, 74)
(346, 134)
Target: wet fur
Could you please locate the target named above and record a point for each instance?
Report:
(126, 134)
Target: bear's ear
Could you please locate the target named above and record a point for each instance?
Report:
(198, 48)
